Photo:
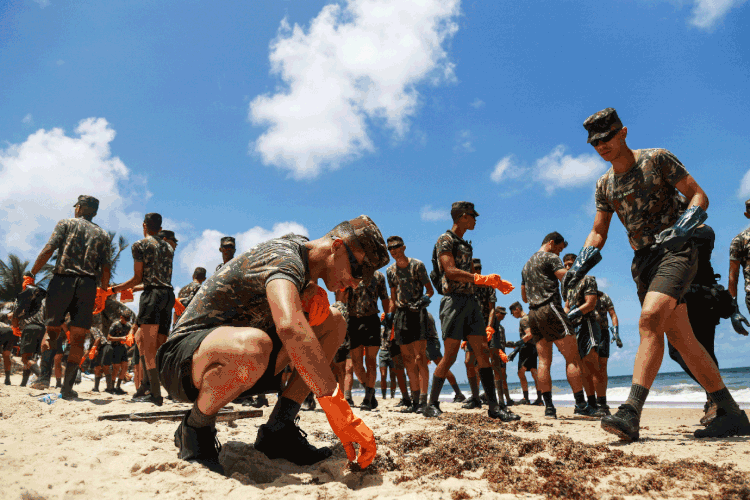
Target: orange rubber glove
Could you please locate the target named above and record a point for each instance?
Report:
(16, 331)
(490, 332)
(349, 428)
(494, 281)
(316, 305)
(382, 317)
(126, 296)
(178, 307)
(463, 345)
(27, 280)
(503, 356)
(130, 340)
(393, 334)
(101, 298)
(92, 352)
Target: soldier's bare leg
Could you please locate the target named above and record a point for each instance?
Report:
(569, 349)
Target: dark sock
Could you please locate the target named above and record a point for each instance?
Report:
(71, 370)
(487, 375)
(153, 379)
(474, 388)
(547, 397)
(347, 394)
(437, 388)
(25, 377)
(580, 400)
(637, 397)
(119, 382)
(592, 401)
(108, 378)
(35, 370)
(96, 382)
(415, 398)
(422, 399)
(539, 395)
(369, 393)
(7, 375)
(601, 401)
(283, 412)
(48, 359)
(59, 382)
(383, 391)
(526, 395)
(145, 383)
(197, 418)
(725, 401)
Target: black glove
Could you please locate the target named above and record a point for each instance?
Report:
(676, 236)
(388, 321)
(513, 354)
(425, 301)
(574, 314)
(587, 258)
(738, 319)
(616, 335)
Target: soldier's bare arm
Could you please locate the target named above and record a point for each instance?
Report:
(598, 235)
(523, 294)
(44, 256)
(693, 192)
(135, 280)
(613, 315)
(734, 274)
(448, 263)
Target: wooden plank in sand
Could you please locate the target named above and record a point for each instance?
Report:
(226, 414)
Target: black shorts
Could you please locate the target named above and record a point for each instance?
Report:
(114, 354)
(497, 341)
(31, 339)
(174, 360)
(588, 337)
(604, 341)
(99, 358)
(364, 331)
(74, 295)
(7, 340)
(528, 357)
(433, 349)
(395, 350)
(460, 316)
(136, 356)
(670, 273)
(549, 322)
(155, 308)
(385, 360)
(408, 327)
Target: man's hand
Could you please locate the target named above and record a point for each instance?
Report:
(738, 319)
(316, 305)
(16, 331)
(27, 281)
(92, 352)
(495, 281)
(574, 314)
(490, 332)
(676, 236)
(349, 428)
(425, 301)
(513, 354)
(101, 299)
(587, 258)
(616, 335)
(503, 357)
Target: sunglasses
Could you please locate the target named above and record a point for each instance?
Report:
(606, 138)
(393, 247)
(356, 266)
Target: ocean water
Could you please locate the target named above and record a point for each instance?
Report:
(670, 390)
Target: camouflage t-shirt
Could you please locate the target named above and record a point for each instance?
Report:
(462, 251)
(523, 325)
(577, 297)
(739, 250)
(487, 298)
(96, 333)
(603, 305)
(499, 331)
(187, 292)
(538, 276)
(113, 309)
(363, 300)
(237, 295)
(408, 281)
(156, 255)
(36, 319)
(119, 330)
(431, 330)
(644, 197)
(82, 248)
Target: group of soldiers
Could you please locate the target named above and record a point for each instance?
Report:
(261, 324)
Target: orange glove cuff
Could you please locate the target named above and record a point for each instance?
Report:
(463, 345)
(317, 306)
(130, 340)
(490, 332)
(92, 352)
(16, 331)
(126, 295)
(503, 356)
(27, 280)
(178, 307)
(349, 428)
(393, 334)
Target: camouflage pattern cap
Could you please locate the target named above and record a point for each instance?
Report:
(227, 241)
(463, 207)
(502, 310)
(371, 241)
(88, 202)
(602, 123)
(166, 234)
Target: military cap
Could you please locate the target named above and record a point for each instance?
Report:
(395, 241)
(88, 202)
(502, 310)
(371, 241)
(227, 241)
(463, 207)
(153, 219)
(601, 124)
(166, 234)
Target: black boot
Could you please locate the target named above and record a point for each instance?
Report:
(198, 445)
(286, 440)
(309, 403)
(58, 383)
(414, 403)
(260, 401)
(110, 386)
(25, 377)
(97, 380)
(118, 389)
(7, 378)
(71, 370)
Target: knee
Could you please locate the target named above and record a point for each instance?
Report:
(649, 323)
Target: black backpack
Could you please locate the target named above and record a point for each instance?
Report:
(29, 302)
(436, 276)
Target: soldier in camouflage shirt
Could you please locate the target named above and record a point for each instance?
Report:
(82, 262)
(152, 267)
(227, 249)
(115, 354)
(363, 331)
(188, 291)
(547, 320)
(261, 312)
(460, 312)
(32, 328)
(642, 187)
(739, 256)
(527, 355)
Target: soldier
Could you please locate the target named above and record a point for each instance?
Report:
(527, 355)
(227, 249)
(32, 333)
(169, 237)
(96, 357)
(152, 266)
(7, 342)
(460, 313)
(435, 356)
(580, 306)
(116, 354)
(82, 261)
(642, 187)
(188, 291)
(363, 330)
(548, 323)
(739, 255)
(385, 363)
(407, 279)
(497, 344)
(248, 322)
(605, 306)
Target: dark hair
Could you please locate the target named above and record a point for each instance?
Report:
(152, 221)
(199, 273)
(345, 231)
(28, 273)
(569, 256)
(556, 237)
(515, 305)
(394, 240)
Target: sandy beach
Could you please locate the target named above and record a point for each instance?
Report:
(61, 451)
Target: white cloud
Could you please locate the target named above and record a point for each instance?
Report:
(463, 142)
(357, 65)
(706, 13)
(478, 103)
(42, 3)
(558, 170)
(744, 191)
(603, 283)
(59, 62)
(28, 120)
(41, 178)
(430, 215)
(506, 169)
(203, 251)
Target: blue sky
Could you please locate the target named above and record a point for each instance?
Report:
(258, 118)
